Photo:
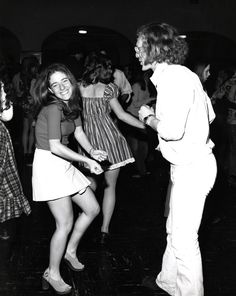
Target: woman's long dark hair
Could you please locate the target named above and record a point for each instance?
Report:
(97, 68)
(43, 97)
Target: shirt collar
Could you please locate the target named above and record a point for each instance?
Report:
(157, 73)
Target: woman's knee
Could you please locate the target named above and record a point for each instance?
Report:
(88, 203)
(65, 225)
(111, 178)
(94, 211)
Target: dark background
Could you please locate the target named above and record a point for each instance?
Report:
(52, 26)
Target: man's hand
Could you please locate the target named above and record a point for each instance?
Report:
(145, 111)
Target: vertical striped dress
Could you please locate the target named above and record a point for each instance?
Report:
(101, 130)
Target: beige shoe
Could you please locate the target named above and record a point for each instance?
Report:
(73, 263)
(59, 286)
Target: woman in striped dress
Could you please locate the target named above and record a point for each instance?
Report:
(99, 97)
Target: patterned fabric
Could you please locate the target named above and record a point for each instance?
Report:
(228, 91)
(101, 130)
(224, 89)
(12, 200)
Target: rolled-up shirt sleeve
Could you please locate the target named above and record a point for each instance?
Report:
(175, 97)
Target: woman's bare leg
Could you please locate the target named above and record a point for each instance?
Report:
(63, 214)
(109, 198)
(90, 207)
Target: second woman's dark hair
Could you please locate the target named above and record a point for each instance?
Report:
(97, 68)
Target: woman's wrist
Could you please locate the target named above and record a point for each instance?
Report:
(5, 107)
(91, 151)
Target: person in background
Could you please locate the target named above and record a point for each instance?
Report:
(22, 82)
(124, 86)
(181, 119)
(99, 98)
(75, 62)
(13, 202)
(202, 69)
(55, 180)
(125, 89)
(138, 139)
(129, 72)
(225, 97)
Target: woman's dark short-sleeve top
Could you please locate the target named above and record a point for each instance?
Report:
(51, 125)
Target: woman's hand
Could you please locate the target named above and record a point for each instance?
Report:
(94, 167)
(145, 111)
(99, 155)
(6, 114)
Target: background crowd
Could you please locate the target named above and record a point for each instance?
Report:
(116, 94)
(135, 89)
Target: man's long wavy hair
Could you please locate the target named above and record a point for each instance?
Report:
(42, 96)
(162, 43)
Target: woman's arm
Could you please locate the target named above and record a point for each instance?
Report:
(124, 116)
(82, 139)
(56, 147)
(6, 109)
(6, 114)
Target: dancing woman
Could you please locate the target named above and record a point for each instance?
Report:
(55, 180)
(99, 97)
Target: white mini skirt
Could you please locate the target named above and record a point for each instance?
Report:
(54, 177)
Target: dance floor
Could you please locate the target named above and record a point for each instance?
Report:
(129, 263)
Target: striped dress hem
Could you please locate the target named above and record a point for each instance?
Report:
(120, 164)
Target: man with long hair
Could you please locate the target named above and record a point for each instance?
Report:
(181, 119)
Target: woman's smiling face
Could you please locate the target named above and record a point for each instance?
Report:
(60, 86)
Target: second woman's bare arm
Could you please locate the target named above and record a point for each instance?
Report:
(82, 139)
(125, 116)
